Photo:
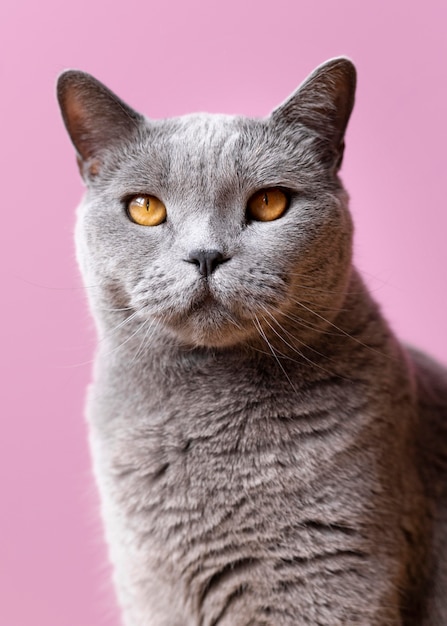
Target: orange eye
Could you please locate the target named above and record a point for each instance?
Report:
(267, 205)
(146, 210)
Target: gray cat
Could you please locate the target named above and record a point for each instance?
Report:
(267, 453)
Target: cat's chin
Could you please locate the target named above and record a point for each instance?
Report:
(209, 331)
(206, 336)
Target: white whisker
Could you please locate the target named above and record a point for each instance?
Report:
(233, 321)
(152, 326)
(343, 332)
(305, 324)
(121, 324)
(295, 349)
(272, 350)
(90, 361)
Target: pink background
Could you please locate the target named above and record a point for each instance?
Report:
(169, 58)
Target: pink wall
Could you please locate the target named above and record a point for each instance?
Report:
(169, 58)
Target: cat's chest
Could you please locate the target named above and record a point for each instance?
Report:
(216, 439)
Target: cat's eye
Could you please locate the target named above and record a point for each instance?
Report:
(146, 210)
(267, 205)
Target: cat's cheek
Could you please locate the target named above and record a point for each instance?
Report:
(83, 247)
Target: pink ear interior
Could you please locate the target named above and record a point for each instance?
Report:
(95, 118)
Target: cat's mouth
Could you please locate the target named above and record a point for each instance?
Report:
(207, 320)
(205, 300)
(210, 313)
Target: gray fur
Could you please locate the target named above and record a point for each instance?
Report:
(266, 451)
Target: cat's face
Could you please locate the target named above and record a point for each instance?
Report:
(217, 264)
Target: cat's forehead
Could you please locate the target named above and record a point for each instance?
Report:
(209, 154)
(229, 150)
(201, 149)
(218, 146)
(202, 133)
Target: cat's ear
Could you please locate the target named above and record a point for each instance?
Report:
(323, 103)
(95, 118)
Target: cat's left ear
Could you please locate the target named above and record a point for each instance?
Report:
(323, 103)
(95, 118)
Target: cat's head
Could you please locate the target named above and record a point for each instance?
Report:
(216, 226)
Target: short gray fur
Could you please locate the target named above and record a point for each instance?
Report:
(267, 453)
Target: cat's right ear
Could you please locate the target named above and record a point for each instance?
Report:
(95, 118)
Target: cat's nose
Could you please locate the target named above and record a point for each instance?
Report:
(206, 260)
